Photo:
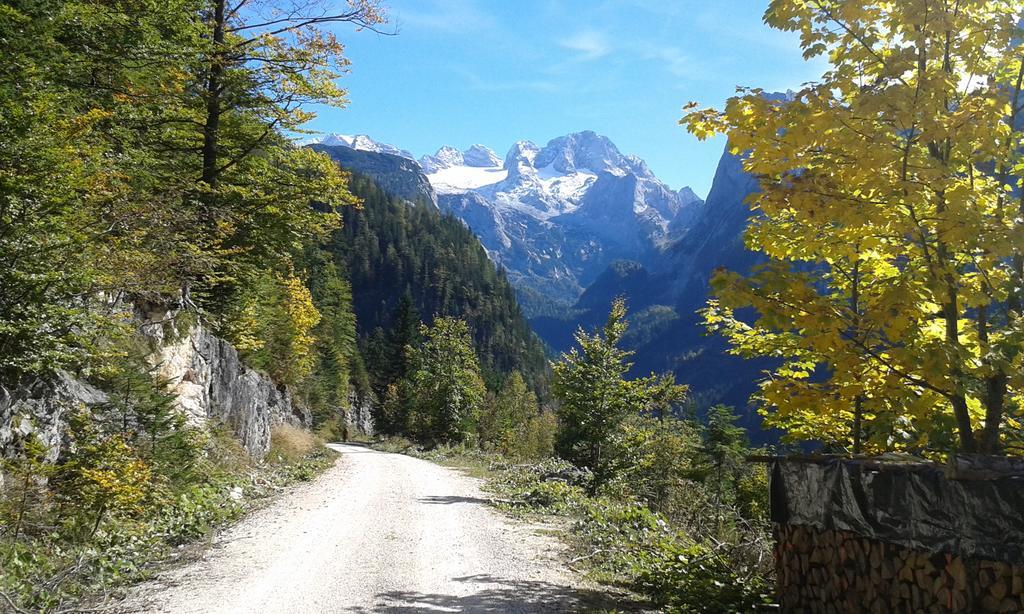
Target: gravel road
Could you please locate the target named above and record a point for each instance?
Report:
(375, 533)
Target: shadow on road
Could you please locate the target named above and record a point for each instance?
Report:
(450, 499)
(502, 595)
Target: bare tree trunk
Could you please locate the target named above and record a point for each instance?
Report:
(958, 398)
(858, 403)
(213, 101)
(995, 396)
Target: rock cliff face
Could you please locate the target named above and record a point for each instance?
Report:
(396, 175)
(40, 408)
(204, 373)
(359, 415)
(210, 382)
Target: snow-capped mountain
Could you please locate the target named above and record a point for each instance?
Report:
(360, 142)
(576, 223)
(477, 156)
(400, 176)
(556, 216)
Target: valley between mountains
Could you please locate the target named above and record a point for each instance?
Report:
(575, 224)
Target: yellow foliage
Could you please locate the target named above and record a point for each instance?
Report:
(894, 291)
(303, 316)
(272, 325)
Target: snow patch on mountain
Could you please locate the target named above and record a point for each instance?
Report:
(361, 142)
(555, 216)
(456, 179)
(569, 187)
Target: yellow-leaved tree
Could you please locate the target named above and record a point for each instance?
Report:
(891, 213)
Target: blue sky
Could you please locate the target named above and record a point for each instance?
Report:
(496, 71)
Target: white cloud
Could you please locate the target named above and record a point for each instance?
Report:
(588, 45)
(476, 83)
(673, 59)
(444, 15)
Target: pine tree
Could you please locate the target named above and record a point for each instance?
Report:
(507, 416)
(447, 387)
(595, 397)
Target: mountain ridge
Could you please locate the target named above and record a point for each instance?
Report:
(611, 231)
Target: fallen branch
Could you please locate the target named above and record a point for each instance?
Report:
(508, 501)
(587, 556)
(10, 602)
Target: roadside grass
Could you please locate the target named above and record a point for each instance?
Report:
(641, 557)
(52, 565)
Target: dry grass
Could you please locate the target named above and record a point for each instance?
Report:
(290, 443)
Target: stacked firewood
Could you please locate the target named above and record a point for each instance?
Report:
(836, 572)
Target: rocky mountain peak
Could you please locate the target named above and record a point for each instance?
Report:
(521, 152)
(582, 151)
(519, 159)
(477, 156)
(446, 157)
(361, 142)
(688, 196)
(481, 157)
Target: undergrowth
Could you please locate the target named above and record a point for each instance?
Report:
(695, 555)
(76, 532)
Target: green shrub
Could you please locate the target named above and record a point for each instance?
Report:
(664, 563)
(694, 578)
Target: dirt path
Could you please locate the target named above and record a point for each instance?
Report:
(376, 533)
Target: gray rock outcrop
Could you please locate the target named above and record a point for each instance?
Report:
(40, 408)
(204, 373)
(211, 383)
(359, 415)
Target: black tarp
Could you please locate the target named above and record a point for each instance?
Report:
(916, 506)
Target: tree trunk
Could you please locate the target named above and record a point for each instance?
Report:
(213, 101)
(959, 397)
(995, 396)
(858, 403)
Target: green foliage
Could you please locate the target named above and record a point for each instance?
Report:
(390, 358)
(733, 481)
(104, 475)
(657, 459)
(669, 557)
(512, 422)
(271, 322)
(448, 388)
(339, 366)
(538, 439)
(409, 262)
(596, 398)
(694, 578)
(24, 493)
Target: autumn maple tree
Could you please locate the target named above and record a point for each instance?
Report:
(890, 211)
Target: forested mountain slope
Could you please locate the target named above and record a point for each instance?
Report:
(665, 285)
(391, 248)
